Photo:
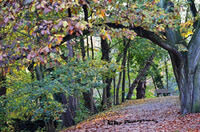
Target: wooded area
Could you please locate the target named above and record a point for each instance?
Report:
(62, 61)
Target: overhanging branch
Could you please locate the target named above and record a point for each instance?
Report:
(148, 35)
(140, 32)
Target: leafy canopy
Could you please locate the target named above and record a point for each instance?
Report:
(31, 29)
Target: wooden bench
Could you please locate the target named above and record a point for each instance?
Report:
(165, 92)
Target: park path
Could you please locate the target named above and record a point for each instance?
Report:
(145, 115)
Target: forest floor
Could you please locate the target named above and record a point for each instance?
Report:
(144, 115)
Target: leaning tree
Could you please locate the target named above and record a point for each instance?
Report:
(31, 29)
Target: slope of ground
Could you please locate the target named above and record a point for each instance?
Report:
(145, 115)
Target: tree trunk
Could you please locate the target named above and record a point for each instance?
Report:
(166, 72)
(128, 70)
(82, 48)
(117, 91)
(88, 52)
(92, 47)
(2, 82)
(68, 114)
(92, 105)
(50, 127)
(141, 87)
(3, 113)
(187, 73)
(89, 102)
(114, 91)
(126, 46)
(140, 75)
(106, 90)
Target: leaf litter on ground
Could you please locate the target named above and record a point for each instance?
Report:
(143, 115)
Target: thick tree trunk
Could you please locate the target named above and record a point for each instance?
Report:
(141, 87)
(50, 127)
(89, 102)
(68, 115)
(187, 73)
(140, 75)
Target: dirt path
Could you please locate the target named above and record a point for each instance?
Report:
(148, 115)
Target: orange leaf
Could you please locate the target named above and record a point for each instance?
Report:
(50, 45)
(102, 13)
(71, 32)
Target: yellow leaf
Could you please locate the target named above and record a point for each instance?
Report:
(35, 64)
(90, 24)
(77, 2)
(187, 34)
(95, 1)
(50, 45)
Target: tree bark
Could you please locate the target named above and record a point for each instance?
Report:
(82, 48)
(128, 70)
(141, 87)
(140, 75)
(3, 90)
(106, 102)
(2, 82)
(89, 102)
(88, 52)
(92, 47)
(117, 91)
(126, 46)
(166, 72)
(68, 115)
(114, 91)
(188, 76)
(50, 127)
